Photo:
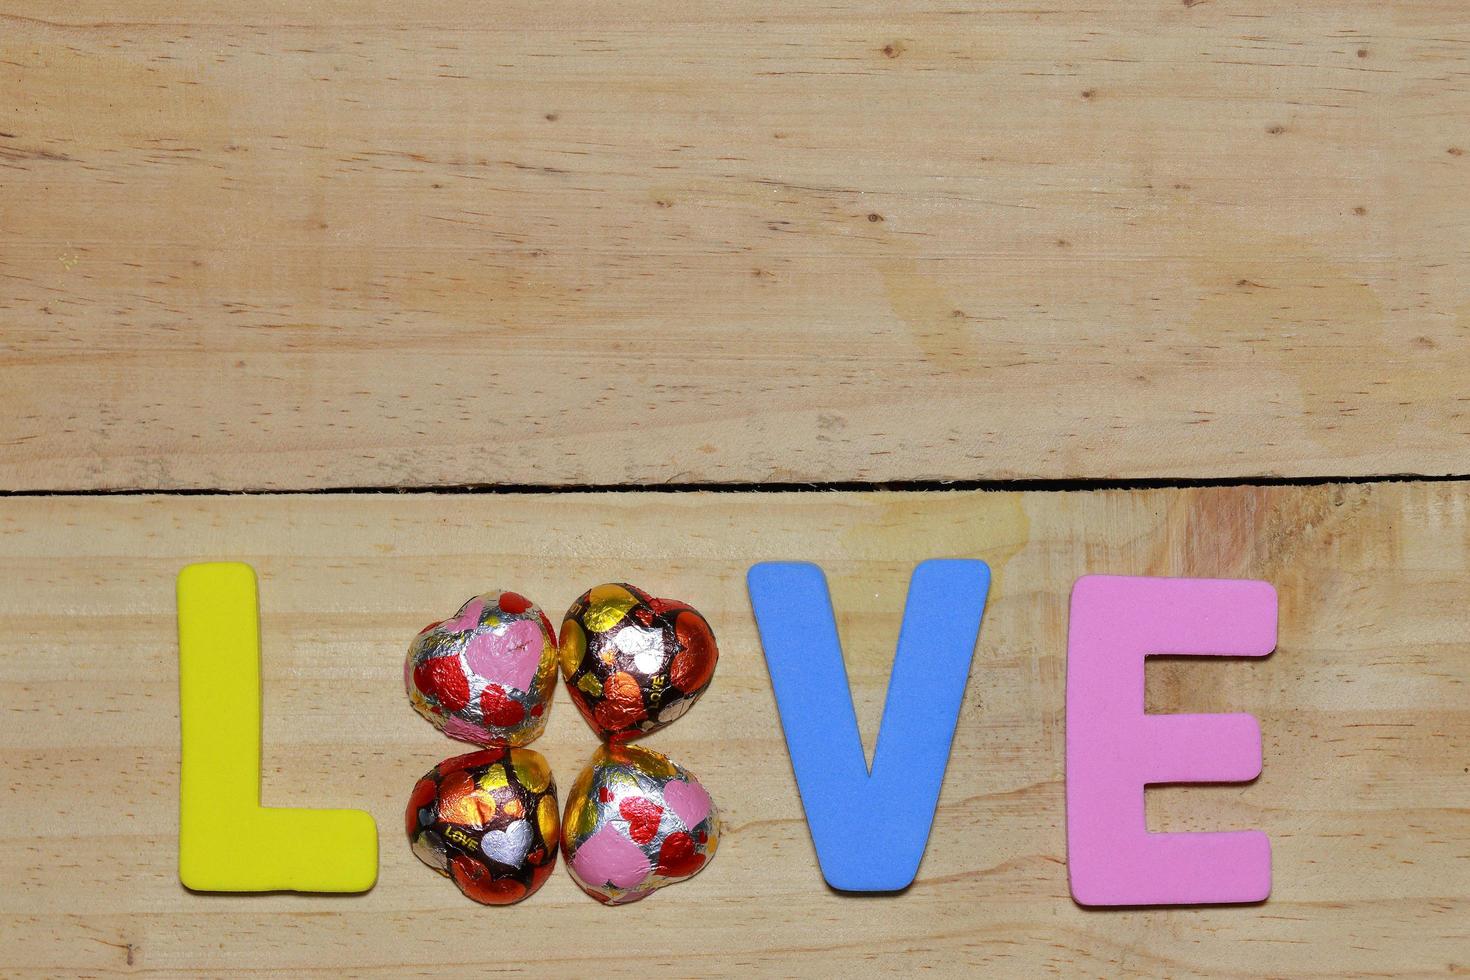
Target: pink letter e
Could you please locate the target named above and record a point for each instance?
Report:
(1114, 748)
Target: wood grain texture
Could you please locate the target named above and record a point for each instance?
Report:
(352, 243)
(1366, 723)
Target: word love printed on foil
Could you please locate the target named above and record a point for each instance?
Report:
(1114, 747)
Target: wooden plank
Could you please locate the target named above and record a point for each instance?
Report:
(1364, 711)
(343, 244)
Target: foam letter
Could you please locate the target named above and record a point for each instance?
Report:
(869, 829)
(1114, 748)
(228, 842)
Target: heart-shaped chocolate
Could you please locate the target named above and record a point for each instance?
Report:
(489, 821)
(485, 675)
(633, 662)
(635, 822)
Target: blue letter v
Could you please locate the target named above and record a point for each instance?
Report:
(869, 828)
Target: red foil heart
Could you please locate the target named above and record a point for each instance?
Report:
(678, 858)
(643, 816)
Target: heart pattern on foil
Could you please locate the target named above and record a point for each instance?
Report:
(487, 820)
(621, 845)
(634, 662)
(507, 846)
(635, 821)
(485, 675)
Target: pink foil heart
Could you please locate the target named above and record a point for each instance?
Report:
(688, 800)
(608, 856)
(459, 728)
(468, 618)
(509, 659)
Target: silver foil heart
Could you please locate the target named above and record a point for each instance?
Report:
(508, 846)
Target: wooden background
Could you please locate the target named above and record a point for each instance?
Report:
(302, 248)
(356, 243)
(1364, 711)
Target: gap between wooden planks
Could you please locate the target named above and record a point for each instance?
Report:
(291, 246)
(1366, 723)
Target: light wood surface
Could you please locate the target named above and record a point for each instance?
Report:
(353, 243)
(361, 244)
(1364, 707)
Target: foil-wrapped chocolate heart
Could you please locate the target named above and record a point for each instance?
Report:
(632, 662)
(636, 821)
(487, 820)
(487, 674)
